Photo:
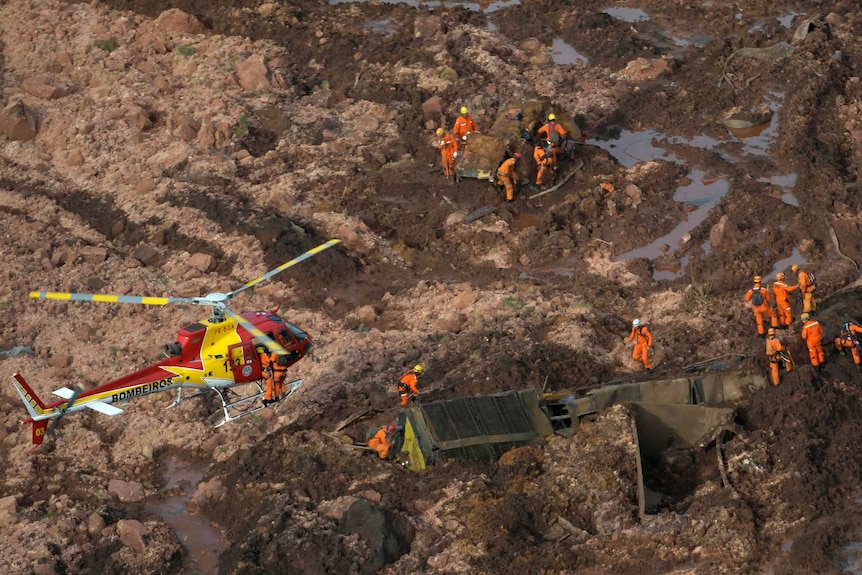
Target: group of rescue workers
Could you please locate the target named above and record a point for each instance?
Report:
(387, 440)
(551, 137)
(782, 318)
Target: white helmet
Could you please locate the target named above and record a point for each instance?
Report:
(636, 322)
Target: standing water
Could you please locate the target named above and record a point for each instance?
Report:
(202, 541)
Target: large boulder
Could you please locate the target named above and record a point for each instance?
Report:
(18, 121)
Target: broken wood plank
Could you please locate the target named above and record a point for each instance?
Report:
(480, 213)
(557, 186)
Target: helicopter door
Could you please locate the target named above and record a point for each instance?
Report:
(244, 362)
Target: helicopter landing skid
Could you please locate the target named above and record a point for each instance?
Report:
(231, 408)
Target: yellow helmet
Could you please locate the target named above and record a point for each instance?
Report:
(552, 116)
(418, 369)
(757, 279)
(440, 132)
(464, 109)
(779, 276)
(794, 268)
(770, 331)
(804, 317)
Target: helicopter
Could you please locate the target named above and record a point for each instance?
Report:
(211, 355)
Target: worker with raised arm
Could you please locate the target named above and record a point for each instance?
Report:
(777, 355)
(759, 298)
(806, 287)
(812, 333)
(508, 177)
(643, 343)
(782, 301)
(553, 132)
(464, 124)
(850, 337)
(448, 145)
(408, 385)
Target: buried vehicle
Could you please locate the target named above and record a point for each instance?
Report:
(670, 416)
(514, 130)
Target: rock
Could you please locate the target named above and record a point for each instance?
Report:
(723, 234)
(267, 9)
(427, 26)
(634, 195)
(131, 533)
(148, 255)
(126, 491)
(202, 262)
(448, 321)
(438, 561)
(367, 315)
(41, 86)
(432, 108)
(175, 20)
(93, 254)
(366, 123)
(137, 116)
(253, 75)
(464, 299)
(185, 126)
(8, 510)
(95, 524)
(18, 121)
(643, 70)
(60, 360)
(209, 491)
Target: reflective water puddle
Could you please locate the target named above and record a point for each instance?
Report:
(563, 54)
(202, 541)
(630, 15)
(701, 193)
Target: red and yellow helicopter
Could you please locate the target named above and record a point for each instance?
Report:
(213, 354)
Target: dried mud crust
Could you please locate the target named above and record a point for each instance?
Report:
(287, 503)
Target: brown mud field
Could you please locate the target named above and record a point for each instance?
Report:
(180, 155)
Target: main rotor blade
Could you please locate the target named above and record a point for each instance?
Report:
(64, 296)
(271, 344)
(284, 266)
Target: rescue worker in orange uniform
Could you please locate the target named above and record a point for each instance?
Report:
(448, 145)
(380, 442)
(777, 355)
(408, 385)
(643, 343)
(464, 124)
(812, 333)
(508, 177)
(554, 133)
(759, 298)
(544, 156)
(806, 288)
(848, 338)
(275, 373)
(782, 300)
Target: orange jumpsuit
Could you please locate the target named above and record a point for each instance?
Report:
(774, 351)
(642, 345)
(464, 124)
(380, 443)
(407, 386)
(847, 340)
(806, 288)
(548, 130)
(763, 309)
(812, 333)
(507, 177)
(545, 161)
(448, 146)
(782, 302)
(275, 375)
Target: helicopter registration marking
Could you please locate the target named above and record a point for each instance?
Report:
(142, 390)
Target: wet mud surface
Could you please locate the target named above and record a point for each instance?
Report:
(778, 194)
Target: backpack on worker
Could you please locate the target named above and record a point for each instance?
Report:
(811, 278)
(756, 296)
